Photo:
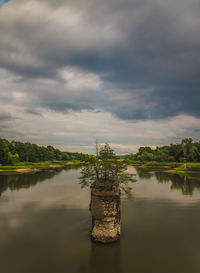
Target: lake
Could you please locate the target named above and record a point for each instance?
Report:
(45, 225)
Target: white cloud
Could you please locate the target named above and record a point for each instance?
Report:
(77, 131)
(79, 80)
(68, 69)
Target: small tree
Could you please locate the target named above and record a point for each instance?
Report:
(105, 170)
(186, 145)
(12, 158)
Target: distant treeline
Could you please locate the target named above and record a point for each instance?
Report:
(186, 151)
(14, 151)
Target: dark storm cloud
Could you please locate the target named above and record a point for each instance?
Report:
(32, 112)
(145, 53)
(157, 104)
(4, 117)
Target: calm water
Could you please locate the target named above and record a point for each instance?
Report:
(45, 225)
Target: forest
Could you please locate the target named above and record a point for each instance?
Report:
(186, 151)
(14, 151)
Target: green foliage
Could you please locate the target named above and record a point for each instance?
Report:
(13, 158)
(186, 146)
(25, 167)
(187, 151)
(14, 151)
(190, 167)
(105, 169)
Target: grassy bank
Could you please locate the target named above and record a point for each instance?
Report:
(28, 167)
(169, 166)
(189, 167)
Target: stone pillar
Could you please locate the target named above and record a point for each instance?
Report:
(106, 218)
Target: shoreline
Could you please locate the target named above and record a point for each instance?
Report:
(170, 167)
(30, 167)
(36, 167)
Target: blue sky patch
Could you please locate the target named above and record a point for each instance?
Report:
(3, 2)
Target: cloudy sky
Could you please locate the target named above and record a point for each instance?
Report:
(125, 72)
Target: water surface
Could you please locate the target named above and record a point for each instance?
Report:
(45, 225)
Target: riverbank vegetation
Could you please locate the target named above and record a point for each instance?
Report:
(186, 151)
(26, 157)
(18, 153)
(176, 167)
(31, 167)
(180, 157)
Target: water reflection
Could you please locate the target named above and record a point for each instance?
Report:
(105, 258)
(20, 181)
(143, 173)
(45, 227)
(185, 183)
(24, 181)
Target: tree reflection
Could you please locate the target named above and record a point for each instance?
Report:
(24, 181)
(19, 181)
(187, 184)
(105, 258)
(143, 173)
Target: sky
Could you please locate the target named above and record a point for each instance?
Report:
(126, 72)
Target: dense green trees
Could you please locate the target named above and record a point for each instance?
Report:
(187, 151)
(14, 151)
(7, 156)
